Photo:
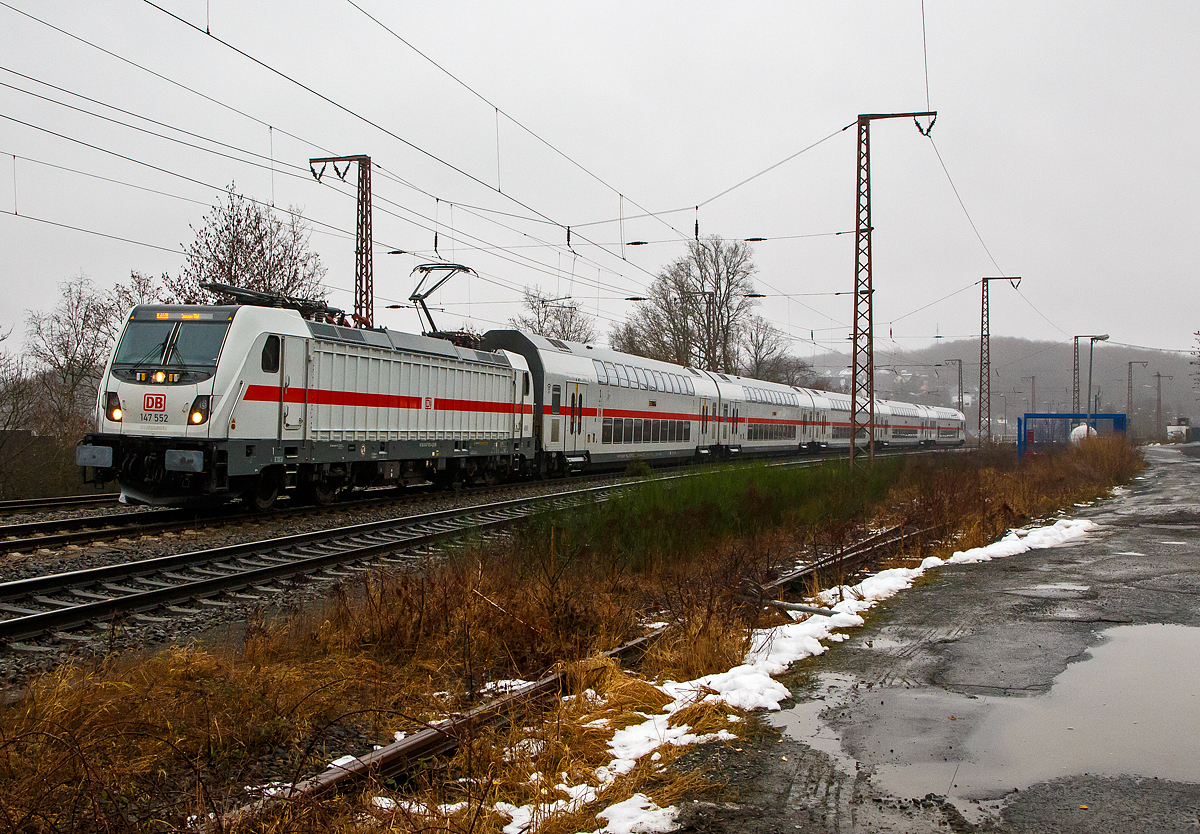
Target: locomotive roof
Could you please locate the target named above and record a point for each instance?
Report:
(273, 318)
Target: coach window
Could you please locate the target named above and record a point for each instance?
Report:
(640, 377)
(628, 429)
(621, 377)
(637, 431)
(270, 355)
(601, 374)
(555, 399)
(526, 383)
(606, 434)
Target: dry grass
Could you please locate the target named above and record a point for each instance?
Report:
(138, 744)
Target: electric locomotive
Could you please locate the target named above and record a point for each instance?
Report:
(208, 403)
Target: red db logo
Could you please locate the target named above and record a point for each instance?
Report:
(154, 402)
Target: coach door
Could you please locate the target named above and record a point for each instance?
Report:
(293, 388)
(576, 440)
(704, 418)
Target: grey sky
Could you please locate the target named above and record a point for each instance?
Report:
(1069, 130)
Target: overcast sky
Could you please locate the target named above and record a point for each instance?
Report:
(1069, 130)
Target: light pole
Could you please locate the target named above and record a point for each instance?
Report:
(1091, 353)
(1004, 400)
(1032, 391)
(960, 391)
(1158, 427)
(1129, 399)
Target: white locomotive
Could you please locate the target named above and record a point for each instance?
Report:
(209, 403)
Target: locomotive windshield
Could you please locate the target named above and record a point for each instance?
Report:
(190, 344)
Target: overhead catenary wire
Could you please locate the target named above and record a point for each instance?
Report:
(366, 120)
(696, 207)
(225, 105)
(90, 231)
(499, 112)
(158, 75)
(387, 174)
(296, 171)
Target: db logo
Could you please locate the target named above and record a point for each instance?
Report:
(154, 402)
(429, 402)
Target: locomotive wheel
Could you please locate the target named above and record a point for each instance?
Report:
(262, 495)
(321, 493)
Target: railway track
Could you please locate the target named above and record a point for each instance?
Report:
(247, 572)
(62, 502)
(62, 532)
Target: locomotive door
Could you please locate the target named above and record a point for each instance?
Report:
(293, 388)
(576, 397)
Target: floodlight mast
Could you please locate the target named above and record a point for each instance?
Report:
(433, 272)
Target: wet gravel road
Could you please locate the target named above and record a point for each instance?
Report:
(1053, 691)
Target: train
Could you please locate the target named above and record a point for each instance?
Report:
(270, 396)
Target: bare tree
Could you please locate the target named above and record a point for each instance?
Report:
(17, 398)
(555, 318)
(245, 244)
(695, 308)
(69, 347)
(763, 349)
(140, 289)
(795, 371)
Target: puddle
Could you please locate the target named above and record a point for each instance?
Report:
(1054, 590)
(1132, 707)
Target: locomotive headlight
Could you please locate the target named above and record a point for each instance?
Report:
(112, 407)
(199, 410)
(160, 376)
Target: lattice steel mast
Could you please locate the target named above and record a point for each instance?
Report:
(364, 272)
(862, 388)
(985, 360)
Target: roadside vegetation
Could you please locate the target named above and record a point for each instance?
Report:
(143, 742)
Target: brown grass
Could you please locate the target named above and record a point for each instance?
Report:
(139, 743)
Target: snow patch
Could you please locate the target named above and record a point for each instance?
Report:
(637, 815)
